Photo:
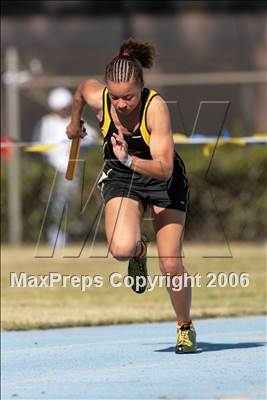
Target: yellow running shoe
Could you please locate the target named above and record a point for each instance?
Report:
(186, 339)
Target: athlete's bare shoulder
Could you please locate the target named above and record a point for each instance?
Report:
(157, 110)
(92, 91)
(157, 102)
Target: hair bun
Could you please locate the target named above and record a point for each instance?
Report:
(144, 52)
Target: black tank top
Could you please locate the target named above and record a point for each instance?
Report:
(138, 144)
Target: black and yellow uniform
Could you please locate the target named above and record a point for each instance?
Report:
(118, 180)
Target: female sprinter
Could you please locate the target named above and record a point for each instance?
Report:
(141, 169)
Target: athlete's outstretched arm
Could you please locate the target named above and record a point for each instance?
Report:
(88, 92)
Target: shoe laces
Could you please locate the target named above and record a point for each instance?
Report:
(184, 338)
(138, 267)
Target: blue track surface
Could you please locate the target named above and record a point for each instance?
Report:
(136, 361)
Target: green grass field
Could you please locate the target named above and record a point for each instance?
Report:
(29, 308)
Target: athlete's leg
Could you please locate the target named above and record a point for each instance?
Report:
(123, 219)
(169, 227)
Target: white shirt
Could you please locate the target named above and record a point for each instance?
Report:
(52, 130)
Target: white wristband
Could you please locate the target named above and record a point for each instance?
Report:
(128, 161)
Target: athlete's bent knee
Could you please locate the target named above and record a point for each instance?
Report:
(172, 266)
(122, 252)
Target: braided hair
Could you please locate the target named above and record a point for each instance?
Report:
(128, 65)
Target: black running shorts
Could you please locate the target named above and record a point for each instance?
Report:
(173, 193)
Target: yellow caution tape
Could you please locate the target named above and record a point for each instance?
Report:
(39, 148)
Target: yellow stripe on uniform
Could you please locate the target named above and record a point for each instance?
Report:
(106, 116)
(143, 128)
